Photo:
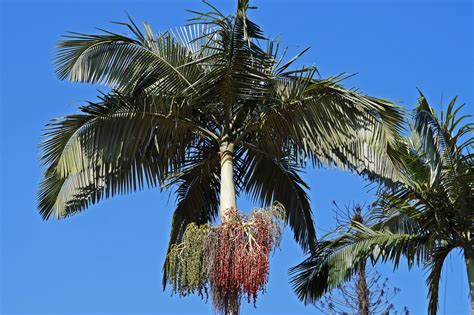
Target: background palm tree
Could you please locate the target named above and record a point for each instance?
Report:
(429, 215)
(213, 111)
(366, 292)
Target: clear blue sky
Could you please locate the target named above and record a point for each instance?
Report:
(108, 259)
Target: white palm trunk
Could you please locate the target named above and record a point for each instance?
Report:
(228, 201)
(227, 194)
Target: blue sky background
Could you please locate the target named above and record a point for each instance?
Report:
(108, 260)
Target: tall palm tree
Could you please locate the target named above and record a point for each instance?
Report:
(430, 214)
(211, 110)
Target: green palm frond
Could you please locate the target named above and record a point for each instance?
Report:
(336, 260)
(145, 60)
(334, 126)
(269, 178)
(197, 193)
(435, 266)
(113, 147)
(372, 126)
(422, 218)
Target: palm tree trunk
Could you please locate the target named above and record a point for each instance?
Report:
(227, 195)
(470, 278)
(469, 257)
(228, 201)
(362, 291)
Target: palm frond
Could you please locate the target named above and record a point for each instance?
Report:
(268, 178)
(435, 266)
(128, 63)
(334, 126)
(336, 260)
(197, 193)
(113, 147)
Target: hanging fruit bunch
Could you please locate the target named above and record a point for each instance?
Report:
(231, 259)
(186, 262)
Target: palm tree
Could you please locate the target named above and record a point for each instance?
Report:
(213, 111)
(426, 217)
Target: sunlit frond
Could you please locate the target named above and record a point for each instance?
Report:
(113, 147)
(158, 62)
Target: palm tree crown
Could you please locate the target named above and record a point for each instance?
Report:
(213, 111)
(427, 216)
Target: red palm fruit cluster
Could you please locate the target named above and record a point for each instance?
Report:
(238, 260)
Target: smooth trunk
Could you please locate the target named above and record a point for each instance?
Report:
(228, 201)
(227, 196)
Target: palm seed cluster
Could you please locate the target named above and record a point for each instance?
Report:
(230, 259)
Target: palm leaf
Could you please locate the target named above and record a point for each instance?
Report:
(197, 192)
(336, 260)
(435, 266)
(334, 126)
(114, 147)
(128, 63)
(271, 178)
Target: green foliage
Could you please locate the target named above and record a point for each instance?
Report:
(423, 219)
(176, 95)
